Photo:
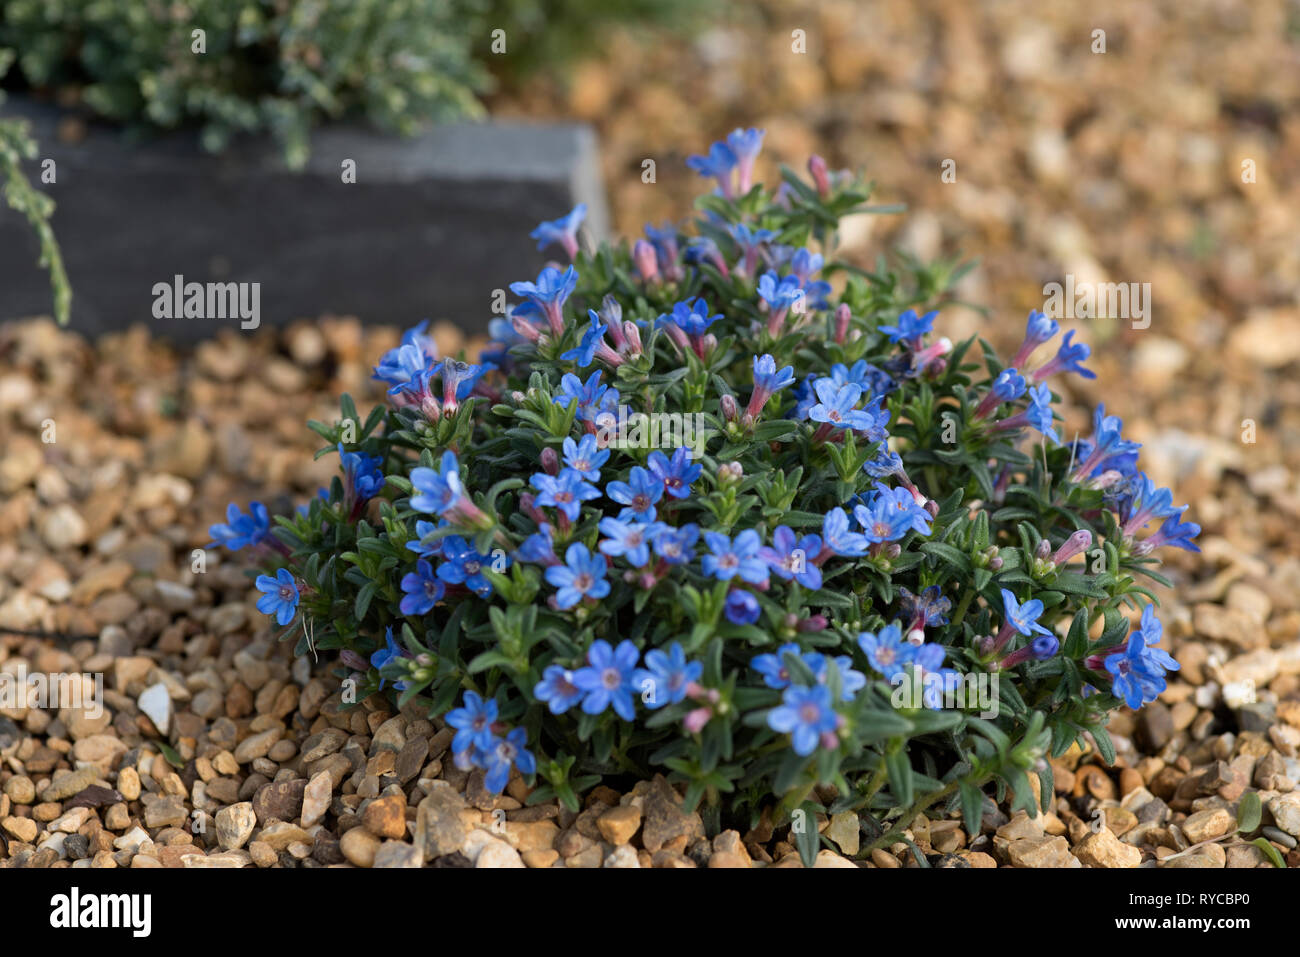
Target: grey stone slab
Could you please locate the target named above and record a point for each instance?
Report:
(430, 228)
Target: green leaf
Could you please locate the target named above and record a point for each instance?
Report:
(1249, 812)
(1271, 852)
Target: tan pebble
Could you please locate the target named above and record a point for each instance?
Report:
(128, 784)
(540, 857)
(359, 846)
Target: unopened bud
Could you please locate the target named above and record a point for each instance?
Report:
(550, 461)
(730, 408)
(645, 260)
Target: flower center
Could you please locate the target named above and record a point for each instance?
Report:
(611, 678)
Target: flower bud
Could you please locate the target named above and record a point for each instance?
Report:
(842, 317)
(645, 260)
(730, 408)
(820, 175)
(550, 461)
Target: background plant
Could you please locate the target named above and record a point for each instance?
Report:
(283, 67)
(17, 146)
(876, 509)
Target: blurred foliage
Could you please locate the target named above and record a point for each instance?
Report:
(283, 66)
(16, 145)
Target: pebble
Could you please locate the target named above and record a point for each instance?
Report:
(316, 797)
(23, 828)
(235, 825)
(67, 783)
(156, 703)
(497, 853)
(1205, 825)
(1104, 849)
(1045, 851)
(20, 789)
(279, 801)
(619, 824)
(397, 854)
(359, 846)
(257, 745)
(385, 817)
(1286, 812)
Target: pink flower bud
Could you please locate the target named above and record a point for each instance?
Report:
(820, 175)
(645, 260)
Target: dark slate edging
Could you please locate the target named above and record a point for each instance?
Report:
(431, 227)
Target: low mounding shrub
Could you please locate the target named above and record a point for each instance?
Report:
(264, 67)
(699, 510)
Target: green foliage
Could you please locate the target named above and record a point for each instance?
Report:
(16, 146)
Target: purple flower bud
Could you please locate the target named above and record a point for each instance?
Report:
(820, 175)
(645, 260)
(842, 317)
(550, 461)
(729, 407)
(1076, 543)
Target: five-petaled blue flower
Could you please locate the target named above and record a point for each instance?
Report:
(504, 754)
(563, 230)
(473, 723)
(423, 590)
(240, 529)
(629, 539)
(691, 315)
(836, 406)
(557, 689)
(676, 546)
(585, 457)
(566, 491)
(1023, 618)
(464, 566)
(887, 652)
(741, 607)
(386, 654)
(793, 558)
(581, 576)
(910, 327)
(611, 677)
(772, 666)
(676, 474)
(438, 490)
(670, 674)
(639, 493)
(839, 538)
(729, 558)
(280, 596)
(805, 714)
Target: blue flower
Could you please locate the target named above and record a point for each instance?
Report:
(805, 714)
(730, 558)
(386, 654)
(691, 315)
(772, 666)
(581, 576)
(935, 679)
(1038, 330)
(911, 327)
(1068, 358)
(870, 379)
(585, 457)
(839, 538)
(584, 354)
(851, 681)
(423, 590)
(504, 754)
(629, 539)
(882, 520)
(927, 610)
(364, 473)
(557, 689)
(887, 652)
(1039, 412)
(741, 607)
(280, 596)
(239, 529)
(552, 287)
(422, 531)
(1108, 448)
(903, 501)
(563, 230)
(566, 491)
(676, 474)
(1173, 532)
(1139, 670)
(592, 397)
(1008, 386)
(779, 293)
(538, 547)
(836, 407)
(670, 674)
(473, 723)
(464, 566)
(768, 378)
(718, 164)
(676, 546)
(1144, 501)
(793, 559)
(406, 368)
(639, 494)
(439, 491)
(610, 678)
(745, 145)
(1023, 618)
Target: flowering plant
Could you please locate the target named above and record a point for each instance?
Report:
(718, 505)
